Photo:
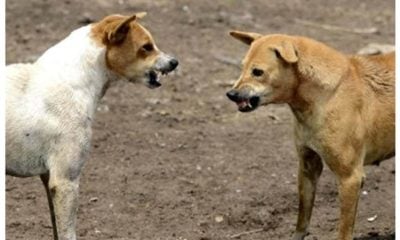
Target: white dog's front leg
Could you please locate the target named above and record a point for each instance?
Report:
(64, 194)
(45, 180)
(65, 164)
(64, 189)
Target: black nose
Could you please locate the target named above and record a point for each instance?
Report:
(173, 63)
(233, 95)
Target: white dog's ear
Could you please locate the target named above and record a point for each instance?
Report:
(286, 51)
(118, 34)
(140, 15)
(245, 37)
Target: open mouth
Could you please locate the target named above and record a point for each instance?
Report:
(153, 78)
(248, 104)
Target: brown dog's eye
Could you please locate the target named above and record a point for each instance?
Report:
(257, 72)
(148, 47)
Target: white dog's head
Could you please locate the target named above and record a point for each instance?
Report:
(131, 51)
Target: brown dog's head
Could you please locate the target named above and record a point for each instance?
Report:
(268, 75)
(130, 49)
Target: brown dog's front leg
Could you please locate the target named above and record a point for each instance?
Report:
(349, 190)
(310, 169)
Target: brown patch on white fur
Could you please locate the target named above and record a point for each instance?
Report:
(49, 131)
(125, 55)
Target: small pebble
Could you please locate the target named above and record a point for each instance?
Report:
(219, 219)
(371, 219)
(364, 193)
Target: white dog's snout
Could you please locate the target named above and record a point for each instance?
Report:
(166, 62)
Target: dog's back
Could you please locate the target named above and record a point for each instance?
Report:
(377, 74)
(17, 78)
(386, 60)
(20, 125)
(377, 71)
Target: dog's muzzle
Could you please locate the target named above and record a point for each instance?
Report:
(244, 102)
(153, 79)
(162, 67)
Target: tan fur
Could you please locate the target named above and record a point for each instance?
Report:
(343, 107)
(134, 40)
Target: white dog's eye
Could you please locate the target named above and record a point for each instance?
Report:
(257, 72)
(148, 47)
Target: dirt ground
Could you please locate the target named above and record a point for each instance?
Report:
(180, 162)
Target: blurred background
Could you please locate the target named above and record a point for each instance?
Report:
(180, 162)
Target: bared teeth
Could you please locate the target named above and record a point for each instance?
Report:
(163, 73)
(243, 104)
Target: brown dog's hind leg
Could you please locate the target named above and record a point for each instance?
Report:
(45, 180)
(310, 169)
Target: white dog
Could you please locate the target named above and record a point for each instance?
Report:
(50, 105)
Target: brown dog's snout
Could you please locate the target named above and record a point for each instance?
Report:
(245, 102)
(233, 95)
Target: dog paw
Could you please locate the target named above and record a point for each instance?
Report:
(299, 236)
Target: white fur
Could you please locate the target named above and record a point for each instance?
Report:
(49, 110)
(50, 101)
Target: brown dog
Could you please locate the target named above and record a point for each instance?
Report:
(343, 107)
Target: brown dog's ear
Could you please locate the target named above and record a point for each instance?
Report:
(246, 37)
(119, 33)
(287, 52)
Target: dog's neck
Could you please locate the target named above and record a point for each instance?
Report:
(320, 75)
(78, 63)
